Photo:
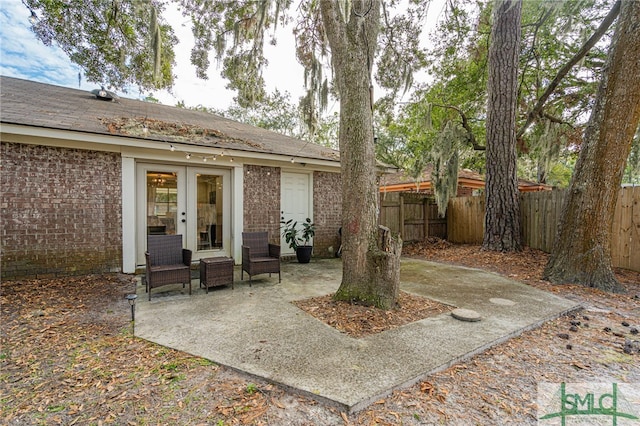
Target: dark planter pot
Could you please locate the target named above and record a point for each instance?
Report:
(303, 253)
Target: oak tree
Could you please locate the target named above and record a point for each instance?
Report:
(582, 249)
(117, 43)
(370, 274)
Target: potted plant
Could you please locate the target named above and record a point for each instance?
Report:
(299, 238)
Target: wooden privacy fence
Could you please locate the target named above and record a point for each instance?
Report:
(404, 213)
(540, 215)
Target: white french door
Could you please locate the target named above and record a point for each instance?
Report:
(190, 201)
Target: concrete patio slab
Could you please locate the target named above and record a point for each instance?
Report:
(257, 330)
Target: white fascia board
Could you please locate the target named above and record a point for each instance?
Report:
(58, 138)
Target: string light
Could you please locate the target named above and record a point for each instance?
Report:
(292, 160)
(204, 158)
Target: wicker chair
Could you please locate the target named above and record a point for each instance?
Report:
(167, 262)
(258, 256)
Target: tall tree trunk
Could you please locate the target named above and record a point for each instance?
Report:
(502, 218)
(369, 274)
(582, 249)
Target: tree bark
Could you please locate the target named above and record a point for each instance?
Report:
(367, 272)
(582, 249)
(502, 218)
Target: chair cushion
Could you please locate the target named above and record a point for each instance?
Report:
(264, 259)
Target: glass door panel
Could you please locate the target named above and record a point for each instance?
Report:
(210, 205)
(162, 203)
(209, 212)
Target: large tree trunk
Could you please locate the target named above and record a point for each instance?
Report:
(502, 218)
(582, 249)
(370, 274)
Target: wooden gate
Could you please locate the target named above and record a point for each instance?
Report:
(412, 215)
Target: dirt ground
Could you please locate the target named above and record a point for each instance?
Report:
(68, 357)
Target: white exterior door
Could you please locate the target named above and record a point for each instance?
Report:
(208, 212)
(296, 201)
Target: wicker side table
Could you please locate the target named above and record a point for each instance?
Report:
(216, 271)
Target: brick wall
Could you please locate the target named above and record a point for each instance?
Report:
(60, 212)
(262, 200)
(262, 206)
(463, 191)
(327, 212)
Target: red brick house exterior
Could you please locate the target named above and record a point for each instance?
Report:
(74, 171)
(60, 211)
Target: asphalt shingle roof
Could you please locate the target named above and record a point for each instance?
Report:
(403, 177)
(30, 103)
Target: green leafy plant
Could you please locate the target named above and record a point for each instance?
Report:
(295, 236)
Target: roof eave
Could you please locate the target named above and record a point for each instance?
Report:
(106, 142)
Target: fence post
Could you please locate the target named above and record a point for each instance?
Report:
(402, 216)
(425, 215)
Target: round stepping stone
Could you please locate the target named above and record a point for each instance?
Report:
(502, 302)
(465, 315)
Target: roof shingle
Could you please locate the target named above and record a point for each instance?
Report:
(30, 103)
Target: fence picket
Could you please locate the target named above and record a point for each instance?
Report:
(540, 217)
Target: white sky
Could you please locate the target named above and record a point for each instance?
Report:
(283, 71)
(23, 56)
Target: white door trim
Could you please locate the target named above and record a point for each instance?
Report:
(129, 237)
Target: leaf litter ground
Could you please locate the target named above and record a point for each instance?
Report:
(358, 320)
(68, 357)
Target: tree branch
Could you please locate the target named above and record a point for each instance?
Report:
(532, 51)
(604, 26)
(554, 119)
(465, 124)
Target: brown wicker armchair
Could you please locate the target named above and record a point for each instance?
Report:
(167, 262)
(258, 256)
